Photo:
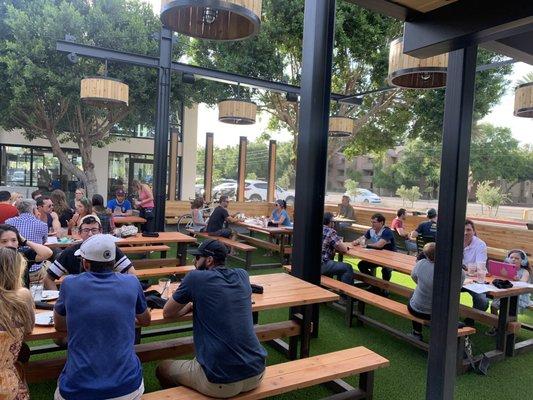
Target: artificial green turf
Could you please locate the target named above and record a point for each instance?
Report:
(406, 376)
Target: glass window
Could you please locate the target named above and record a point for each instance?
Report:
(124, 168)
(16, 166)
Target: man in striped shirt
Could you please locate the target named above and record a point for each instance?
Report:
(68, 263)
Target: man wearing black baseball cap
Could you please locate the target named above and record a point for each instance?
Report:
(229, 359)
(427, 229)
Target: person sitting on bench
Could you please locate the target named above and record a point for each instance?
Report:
(219, 217)
(379, 237)
(331, 243)
(420, 303)
(229, 359)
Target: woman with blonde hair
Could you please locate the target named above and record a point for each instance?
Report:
(15, 197)
(16, 321)
(145, 204)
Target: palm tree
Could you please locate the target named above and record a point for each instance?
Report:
(525, 79)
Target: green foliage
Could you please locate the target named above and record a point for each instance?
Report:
(351, 186)
(354, 174)
(490, 196)
(412, 194)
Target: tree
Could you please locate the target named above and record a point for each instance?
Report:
(491, 196)
(351, 187)
(40, 87)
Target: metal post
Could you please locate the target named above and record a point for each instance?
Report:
(208, 166)
(457, 128)
(271, 188)
(319, 24)
(161, 128)
(241, 169)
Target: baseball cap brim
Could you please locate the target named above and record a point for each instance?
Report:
(195, 252)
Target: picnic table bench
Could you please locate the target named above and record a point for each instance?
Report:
(298, 374)
(243, 247)
(162, 248)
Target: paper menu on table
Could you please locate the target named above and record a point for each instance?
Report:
(481, 288)
(51, 240)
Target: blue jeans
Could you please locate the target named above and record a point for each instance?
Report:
(342, 270)
(480, 300)
(411, 246)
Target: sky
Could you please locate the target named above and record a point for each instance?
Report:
(227, 134)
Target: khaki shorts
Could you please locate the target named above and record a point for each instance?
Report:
(190, 373)
(136, 395)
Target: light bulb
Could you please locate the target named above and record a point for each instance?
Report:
(209, 16)
(425, 76)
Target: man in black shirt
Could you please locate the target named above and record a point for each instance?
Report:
(69, 263)
(219, 218)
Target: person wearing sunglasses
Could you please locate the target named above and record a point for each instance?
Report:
(68, 263)
(228, 360)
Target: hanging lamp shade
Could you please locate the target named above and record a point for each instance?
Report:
(410, 72)
(237, 112)
(340, 126)
(213, 19)
(104, 92)
(523, 100)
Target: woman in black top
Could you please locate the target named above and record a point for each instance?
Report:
(61, 207)
(106, 219)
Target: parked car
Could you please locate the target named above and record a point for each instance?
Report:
(17, 177)
(364, 196)
(228, 187)
(257, 191)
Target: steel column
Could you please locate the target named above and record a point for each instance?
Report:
(241, 169)
(161, 128)
(458, 109)
(208, 166)
(319, 29)
(271, 189)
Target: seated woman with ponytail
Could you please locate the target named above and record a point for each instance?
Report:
(16, 321)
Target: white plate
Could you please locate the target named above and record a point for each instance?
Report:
(44, 318)
(49, 295)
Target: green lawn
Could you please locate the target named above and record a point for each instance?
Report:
(406, 376)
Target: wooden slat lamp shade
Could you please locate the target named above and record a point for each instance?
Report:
(237, 112)
(410, 72)
(104, 92)
(340, 126)
(523, 100)
(213, 19)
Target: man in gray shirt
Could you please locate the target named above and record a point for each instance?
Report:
(421, 301)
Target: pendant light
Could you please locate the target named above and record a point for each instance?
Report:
(104, 92)
(340, 126)
(414, 73)
(213, 19)
(237, 111)
(523, 100)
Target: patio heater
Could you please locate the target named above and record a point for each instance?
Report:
(104, 92)
(413, 73)
(237, 112)
(523, 100)
(221, 20)
(340, 126)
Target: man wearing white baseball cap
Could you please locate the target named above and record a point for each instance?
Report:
(68, 262)
(99, 309)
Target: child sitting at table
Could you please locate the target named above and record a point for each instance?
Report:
(420, 303)
(520, 260)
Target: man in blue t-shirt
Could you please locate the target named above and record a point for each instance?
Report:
(119, 205)
(99, 309)
(427, 229)
(379, 237)
(229, 359)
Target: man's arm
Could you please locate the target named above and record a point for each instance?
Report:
(60, 322)
(378, 245)
(56, 225)
(144, 318)
(42, 252)
(341, 247)
(173, 309)
(49, 282)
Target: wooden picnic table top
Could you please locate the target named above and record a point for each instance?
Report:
(127, 219)
(269, 230)
(138, 239)
(280, 291)
(343, 219)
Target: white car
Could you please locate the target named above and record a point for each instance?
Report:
(364, 196)
(257, 191)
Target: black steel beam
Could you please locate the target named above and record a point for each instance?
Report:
(465, 23)
(458, 108)
(518, 46)
(319, 22)
(189, 70)
(162, 129)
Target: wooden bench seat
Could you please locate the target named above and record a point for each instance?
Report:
(164, 271)
(303, 373)
(245, 248)
(155, 263)
(43, 370)
(163, 248)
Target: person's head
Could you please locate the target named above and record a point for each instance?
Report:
(470, 230)
(15, 315)
(197, 203)
(44, 204)
(15, 198)
(84, 206)
(345, 200)
(223, 201)
(211, 253)
(97, 200)
(89, 225)
(401, 213)
(98, 253)
(9, 236)
(328, 219)
(79, 193)
(518, 258)
(5, 196)
(120, 195)
(36, 194)
(137, 185)
(431, 213)
(59, 199)
(281, 204)
(26, 206)
(429, 251)
(377, 221)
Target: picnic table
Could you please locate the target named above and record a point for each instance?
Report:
(505, 341)
(128, 220)
(280, 291)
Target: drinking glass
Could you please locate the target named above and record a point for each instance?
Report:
(36, 289)
(164, 287)
(471, 269)
(481, 274)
